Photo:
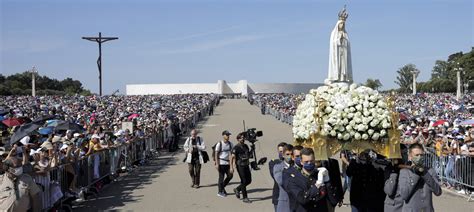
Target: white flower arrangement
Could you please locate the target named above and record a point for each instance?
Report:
(350, 112)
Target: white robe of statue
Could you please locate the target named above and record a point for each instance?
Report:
(340, 65)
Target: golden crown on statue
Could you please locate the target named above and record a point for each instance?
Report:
(343, 14)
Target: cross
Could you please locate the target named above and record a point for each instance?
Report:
(100, 40)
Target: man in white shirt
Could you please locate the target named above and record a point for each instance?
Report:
(222, 162)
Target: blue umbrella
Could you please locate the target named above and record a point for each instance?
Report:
(46, 130)
(2, 118)
(52, 123)
(467, 122)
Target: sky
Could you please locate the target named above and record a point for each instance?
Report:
(184, 41)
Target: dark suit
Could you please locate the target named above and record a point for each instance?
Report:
(366, 187)
(303, 193)
(276, 190)
(336, 192)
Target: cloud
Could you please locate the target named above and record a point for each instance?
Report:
(209, 45)
(216, 44)
(197, 35)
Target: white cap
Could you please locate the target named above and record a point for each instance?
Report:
(64, 146)
(25, 140)
(76, 135)
(95, 136)
(119, 133)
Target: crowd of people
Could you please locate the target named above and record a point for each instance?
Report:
(39, 134)
(282, 106)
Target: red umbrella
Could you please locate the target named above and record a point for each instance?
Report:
(133, 116)
(11, 122)
(403, 117)
(439, 122)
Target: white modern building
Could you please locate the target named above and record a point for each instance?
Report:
(242, 87)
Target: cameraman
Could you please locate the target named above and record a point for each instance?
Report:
(418, 182)
(241, 156)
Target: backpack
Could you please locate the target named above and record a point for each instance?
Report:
(220, 150)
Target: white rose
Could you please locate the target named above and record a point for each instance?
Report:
(366, 113)
(346, 136)
(339, 136)
(370, 131)
(365, 121)
(350, 115)
(365, 136)
(361, 127)
(381, 104)
(333, 133)
(375, 136)
(383, 133)
(366, 104)
(357, 136)
(345, 121)
(353, 86)
(359, 107)
(328, 109)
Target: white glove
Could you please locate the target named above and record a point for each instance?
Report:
(323, 176)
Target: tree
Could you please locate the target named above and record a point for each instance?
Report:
(405, 77)
(441, 70)
(374, 84)
(20, 84)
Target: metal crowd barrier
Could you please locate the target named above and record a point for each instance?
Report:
(88, 174)
(454, 170)
(281, 116)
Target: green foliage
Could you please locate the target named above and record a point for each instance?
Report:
(443, 74)
(20, 84)
(405, 78)
(374, 84)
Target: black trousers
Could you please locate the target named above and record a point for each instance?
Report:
(222, 183)
(195, 172)
(245, 179)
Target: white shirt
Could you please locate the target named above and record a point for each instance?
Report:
(225, 151)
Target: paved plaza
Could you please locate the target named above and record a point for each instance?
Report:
(164, 185)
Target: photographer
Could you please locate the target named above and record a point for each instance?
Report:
(418, 182)
(241, 156)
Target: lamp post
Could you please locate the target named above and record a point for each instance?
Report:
(415, 73)
(458, 70)
(33, 81)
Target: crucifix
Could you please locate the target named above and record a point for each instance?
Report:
(100, 40)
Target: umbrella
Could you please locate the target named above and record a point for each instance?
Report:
(23, 131)
(41, 120)
(12, 122)
(52, 123)
(467, 122)
(45, 130)
(135, 115)
(403, 117)
(4, 111)
(64, 125)
(2, 118)
(439, 122)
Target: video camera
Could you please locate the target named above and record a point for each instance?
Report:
(251, 135)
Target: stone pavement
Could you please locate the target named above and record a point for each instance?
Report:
(164, 184)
